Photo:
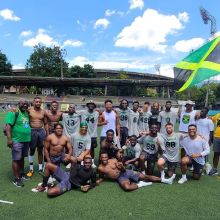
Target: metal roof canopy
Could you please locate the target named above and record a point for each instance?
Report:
(74, 82)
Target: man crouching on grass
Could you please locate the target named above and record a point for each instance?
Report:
(82, 177)
(127, 179)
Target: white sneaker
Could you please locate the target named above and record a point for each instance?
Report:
(167, 181)
(142, 184)
(182, 180)
(173, 176)
(51, 180)
(68, 166)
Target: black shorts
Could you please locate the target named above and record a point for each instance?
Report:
(152, 158)
(171, 165)
(128, 175)
(197, 167)
(38, 136)
(93, 142)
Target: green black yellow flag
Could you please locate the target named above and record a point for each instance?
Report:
(198, 66)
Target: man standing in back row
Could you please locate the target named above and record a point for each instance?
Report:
(39, 130)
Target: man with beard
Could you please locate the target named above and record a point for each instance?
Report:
(145, 114)
(108, 145)
(81, 177)
(18, 138)
(127, 179)
(170, 152)
(196, 149)
(133, 120)
(53, 116)
(39, 130)
(91, 116)
(151, 144)
(71, 121)
(124, 115)
(167, 116)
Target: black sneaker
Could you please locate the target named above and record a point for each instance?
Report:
(24, 177)
(213, 172)
(18, 183)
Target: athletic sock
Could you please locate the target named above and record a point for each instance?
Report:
(162, 174)
(184, 176)
(31, 160)
(173, 176)
(45, 180)
(142, 183)
(41, 166)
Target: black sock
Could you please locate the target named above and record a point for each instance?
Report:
(45, 180)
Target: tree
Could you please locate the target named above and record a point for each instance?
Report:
(47, 61)
(75, 72)
(5, 65)
(86, 71)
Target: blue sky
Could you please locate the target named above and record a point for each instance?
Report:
(114, 34)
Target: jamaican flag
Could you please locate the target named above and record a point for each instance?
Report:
(198, 66)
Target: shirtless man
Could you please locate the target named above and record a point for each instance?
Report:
(113, 169)
(39, 129)
(53, 116)
(55, 145)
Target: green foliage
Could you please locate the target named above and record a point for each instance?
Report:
(46, 61)
(5, 65)
(87, 71)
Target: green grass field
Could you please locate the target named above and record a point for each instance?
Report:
(193, 200)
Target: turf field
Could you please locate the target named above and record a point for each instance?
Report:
(193, 200)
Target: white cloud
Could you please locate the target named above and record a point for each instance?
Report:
(109, 12)
(7, 35)
(42, 37)
(102, 22)
(183, 16)
(8, 14)
(18, 66)
(136, 4)
(149, 31)
(73, 43)
(166, 70)
(25, 33)
(188, 45)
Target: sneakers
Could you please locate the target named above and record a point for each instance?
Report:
(30, 173)
(182, 180)
(68, 166)
(142, 184)
(41, 172)
(208, 168)
(167, 181)
(39, 189)
(18, 183)
(213, 172)
(24, 177)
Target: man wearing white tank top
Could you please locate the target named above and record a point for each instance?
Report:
(109, 119)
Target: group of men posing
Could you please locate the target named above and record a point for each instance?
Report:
(130, 142)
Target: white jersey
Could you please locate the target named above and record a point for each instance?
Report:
(80, 143)
(71, 123)
(186, 118)
(172, 145)
(124, 115)
(196, 146)
(143, 123)
(92, 121)
(110, 117)
(133, 123)
(151, 144)
(166, 117)
(204, 126)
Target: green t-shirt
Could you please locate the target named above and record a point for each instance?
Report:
(21, 131)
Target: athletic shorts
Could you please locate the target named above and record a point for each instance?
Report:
(152, 158)
(93, 142)
(20, 150)
(127, 176)
(38, 136)
(216, 145)
(171, 165)
(197, 167)
(63, 178)
(57, 159)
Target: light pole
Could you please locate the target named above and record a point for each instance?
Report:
(63, 53)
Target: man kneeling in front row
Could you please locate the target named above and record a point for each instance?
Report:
(127, 179)
(80, 176)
